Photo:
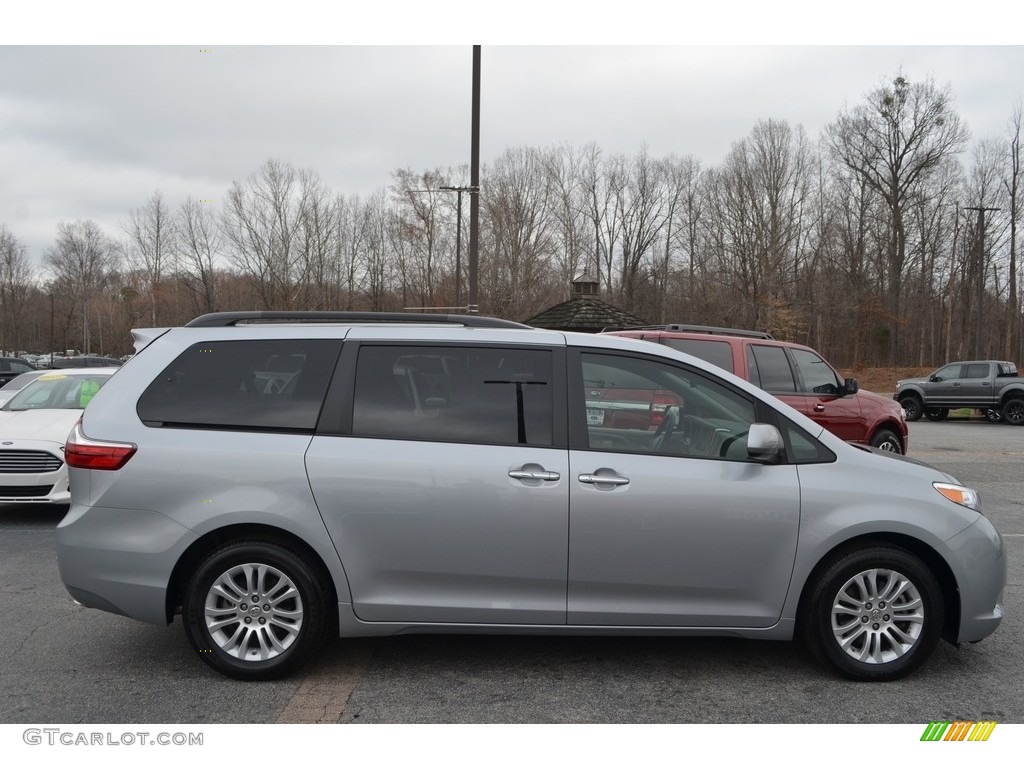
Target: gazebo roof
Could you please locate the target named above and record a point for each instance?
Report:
(583, 313)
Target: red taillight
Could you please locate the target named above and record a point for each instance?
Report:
(83, 452)
(659, 403)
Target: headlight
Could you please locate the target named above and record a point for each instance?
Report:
(958, 494)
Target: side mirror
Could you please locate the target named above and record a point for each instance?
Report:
(933, 377)
(764, 443)
(851, 387)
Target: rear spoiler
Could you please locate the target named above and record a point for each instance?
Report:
(143, 337)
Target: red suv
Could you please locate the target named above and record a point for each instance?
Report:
(795, 374)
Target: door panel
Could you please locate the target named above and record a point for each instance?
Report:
(673, 524)
(439, 532)
(688, 542)
(445, 487)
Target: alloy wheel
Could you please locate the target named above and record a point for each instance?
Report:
(253, 612)
(877, 616)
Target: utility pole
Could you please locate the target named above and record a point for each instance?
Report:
(458, 241)
(980, 245)
(474, 182)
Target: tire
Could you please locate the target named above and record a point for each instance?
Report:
(936, 414)
(889, 639)
(265, 640)
(911, 405)
(993, 415)
(887, 440)
(1013, 412)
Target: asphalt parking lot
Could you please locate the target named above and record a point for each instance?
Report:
(66, 664)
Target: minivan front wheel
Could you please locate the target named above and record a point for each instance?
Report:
(255, 611)
(874, 613)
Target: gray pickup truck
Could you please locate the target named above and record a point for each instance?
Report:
(990, 386)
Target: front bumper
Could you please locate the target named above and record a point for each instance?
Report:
(33, 472)
(978, 559)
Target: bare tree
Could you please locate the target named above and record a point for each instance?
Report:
(150, 231)
(599, 187)
(680, 177)
(758, 200)
(641, 202)
(317, 231)
(423, 208)
(892, 141)
(516, 206)
(261, 224)
(81, 258)
(16, 282)
(198, 244)
(1011, 182)
(571, 237)
(984, 190)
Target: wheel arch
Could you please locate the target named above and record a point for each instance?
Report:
(200, 549)
(1017, 393)
(910, 391)
(893, 426)
(932, 559)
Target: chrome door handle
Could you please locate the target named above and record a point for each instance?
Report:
(519, 474)
(605, 479)
(819, 408)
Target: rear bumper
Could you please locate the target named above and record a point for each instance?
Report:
(120, 560)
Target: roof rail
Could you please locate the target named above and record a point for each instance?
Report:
(710, 329)
(227, 319)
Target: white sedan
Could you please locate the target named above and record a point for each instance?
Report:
(34, 425)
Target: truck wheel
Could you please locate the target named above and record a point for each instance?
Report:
(993, 415)
(887, 440)
(1013, 412)
(911, 405)
(936, 414)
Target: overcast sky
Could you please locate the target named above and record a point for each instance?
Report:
(89, 132)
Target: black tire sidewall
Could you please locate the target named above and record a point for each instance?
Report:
(315, 606)
(918, 407)
(1015, 404)
(885, 435)
(817, 629)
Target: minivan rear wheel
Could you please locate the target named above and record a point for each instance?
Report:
(874, 613)
(255, 610)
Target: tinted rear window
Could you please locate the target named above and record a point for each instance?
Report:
(715, 352)
(463, 394)
(261, 385)
(773, 369)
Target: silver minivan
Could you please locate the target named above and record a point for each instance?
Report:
(279, 478)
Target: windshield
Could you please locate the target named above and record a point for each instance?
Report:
(20, 381)
(56, 390)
